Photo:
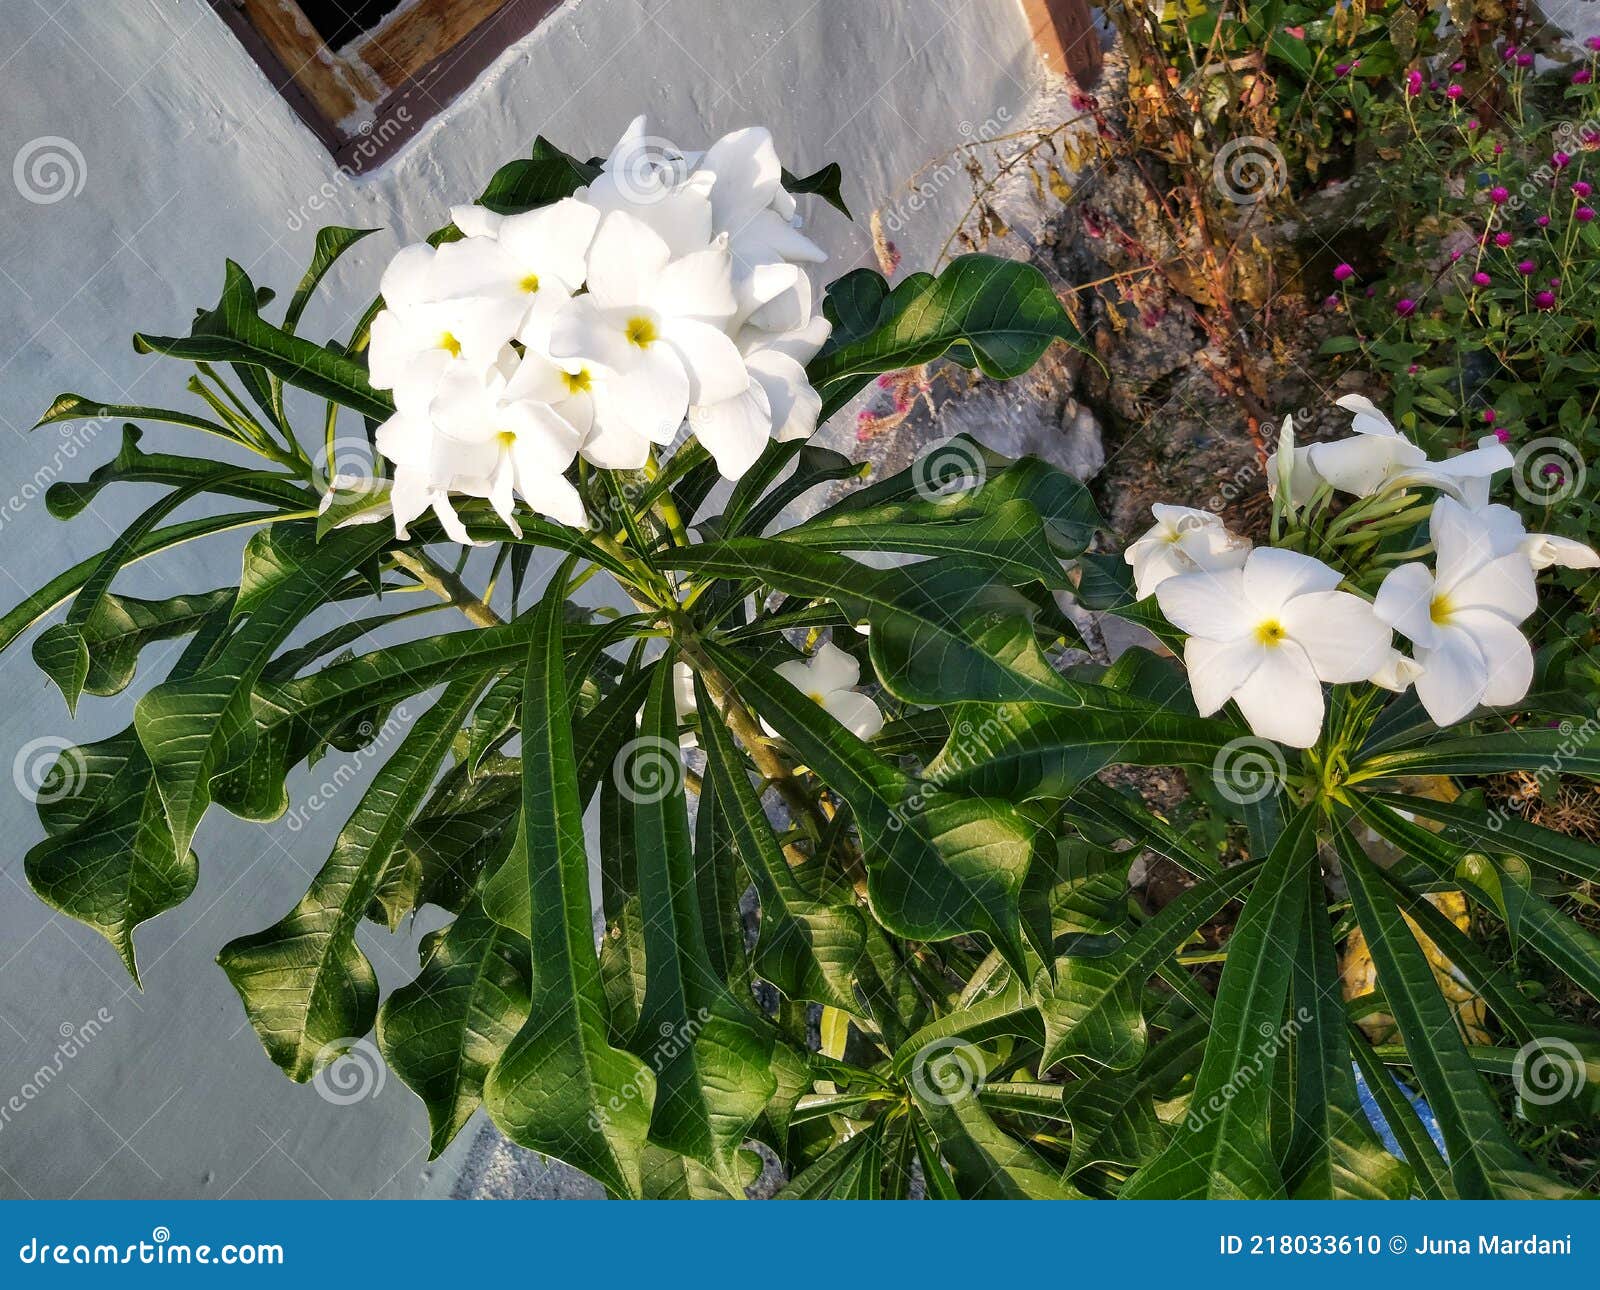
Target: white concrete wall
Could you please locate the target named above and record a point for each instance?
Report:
(180, 154)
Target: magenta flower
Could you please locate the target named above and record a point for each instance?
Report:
(1593, 42)
(1413, 83)
(1559, 160)
(1499, 194)
(1543, 221)
(1524, 60)
(1501, 434)
(1583, 214)
(1581, 188)
(1499, 148)
(1545, 300)
(1405, 307)
(1527, 268)
(1454, 92)
(1553, 471)
(1582, 76)
(1481, 279)
(1412, 369)
(1455, 255)
(1343, 273)
(1331, 302)
(1510, 53)
(1459, 65)
(1341, 69)
(1489, 415)
(1502, 239)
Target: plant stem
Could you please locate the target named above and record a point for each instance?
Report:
(447, 586)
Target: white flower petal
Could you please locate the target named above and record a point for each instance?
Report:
(1208, 604)
(855, 712)
(1454, 676)
(714, 365)
(1546, 549)
(1341, 635)
(833, 669)
(1282, 699)
(625, 261)
(1217, 669)
(1507, 656)
(1273, 577)
(736, 431)
(1405, 602)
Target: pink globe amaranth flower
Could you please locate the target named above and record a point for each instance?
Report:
(1559, 160)
(1474, 124)
(1413, 83)
(1412, 369)
(1554, 282)
(1510, 53)
(1592, 43)
(1524, 60)
(1543, 221)
(1405, 306)
(1545, 300)
(1489, 415)
(1502, 239)
(1343, 273)
(1455, 255)
(1460, 65)
(1341, 69)
(1582, 76)
(1481, 279)
(1499, 194)
(1553, 471)
(1502, 434)
(1499, 148)
(1527, 268)
(1581, 188)
(1371, 291)
(1583, 214)
(1454, 92)
(1331, 302)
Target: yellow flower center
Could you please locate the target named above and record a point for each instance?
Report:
(642, 332)
(530, 284)
(507, 438)
(1270, 632)
(1440, 610)
(815, 697)
(449, 343)
(578, 382)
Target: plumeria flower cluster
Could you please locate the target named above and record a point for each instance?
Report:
(671, 289)
(1269, 626)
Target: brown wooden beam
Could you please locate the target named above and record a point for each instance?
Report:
(1064, 32)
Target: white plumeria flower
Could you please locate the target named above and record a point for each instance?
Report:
(649, 178)
(1268, 635)
(1507, 534)
(750, 205)
(828, 678)
(1468, 475)
(1396, 672)
(778, 402)
(654, 324)
(1370, 459)
(1463, 619)
(494, 429)
(1183, 540)
(536, 260)
(426, 324)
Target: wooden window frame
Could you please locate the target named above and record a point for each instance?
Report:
(394, 78)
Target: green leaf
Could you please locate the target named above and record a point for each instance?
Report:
(998, 315)
(62, 651)
(1222, 1148)
(109, 859)
(808, 947)
(823, 183)
(1333, 1153)
(331, 244)
(307, 989)
(443, 1032)
(75, 407)
(1484, 1163)
(121, 626)
(980, 482)
(529, 182)
(235, 332)
(954, 867)
(710, 1053)
(1092, 1009)
(986, 1162)
(1501, 833)
(200, 727)
(560, 1088)
(1486, 754)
